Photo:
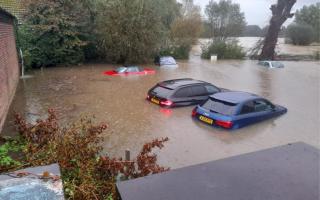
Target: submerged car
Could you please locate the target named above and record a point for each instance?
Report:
(233, 110)
(129, 70)
(165, 61)
(271, 64)
(181, 92)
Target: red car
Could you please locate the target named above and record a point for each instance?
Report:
(128, 71)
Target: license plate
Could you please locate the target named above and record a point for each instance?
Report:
(155, 101)
(206, 120)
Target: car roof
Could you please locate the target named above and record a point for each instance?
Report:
(235, 97)
(131, 66)
(270, 61)
(176, 83)
(167, 60)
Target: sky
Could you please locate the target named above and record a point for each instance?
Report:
(257, 12)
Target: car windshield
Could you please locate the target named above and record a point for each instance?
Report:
(221, 107)
(121, 69)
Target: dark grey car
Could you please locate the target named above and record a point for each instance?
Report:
(181, 92)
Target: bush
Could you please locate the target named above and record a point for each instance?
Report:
(178, 52)
(86, 174)
(300, 34)
(223, 49)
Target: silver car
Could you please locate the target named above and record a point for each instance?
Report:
(271, 64)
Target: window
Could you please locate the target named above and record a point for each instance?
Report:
(256, 106)
(262, 105)
(121, 69)
(199, 90)
(247, 108)
(133, 69)
(183, 92)
(211, 89)
(161, 91)
(218, 106)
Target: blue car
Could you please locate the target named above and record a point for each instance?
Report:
(233, 110)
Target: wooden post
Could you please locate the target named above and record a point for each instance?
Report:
(127, 155)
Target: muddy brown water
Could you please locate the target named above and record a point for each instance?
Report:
(120, 101)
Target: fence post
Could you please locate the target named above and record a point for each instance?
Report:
(127, 154)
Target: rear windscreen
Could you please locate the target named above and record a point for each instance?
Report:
(161, 91)
(219, 106)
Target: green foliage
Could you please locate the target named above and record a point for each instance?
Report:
(310, 15)
(225, 18)
(51, 34)
(184, 31)
(130, 31)
(178, 52)
(6, 149)
(223, 49)
(300, 34)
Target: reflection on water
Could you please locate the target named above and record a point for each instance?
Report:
(120, 101)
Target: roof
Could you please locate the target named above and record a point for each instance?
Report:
(234, 97)
(175, 83)
(288, 172)
(167, 60)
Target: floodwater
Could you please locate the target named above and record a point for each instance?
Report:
(120, 101)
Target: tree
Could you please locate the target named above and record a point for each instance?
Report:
(54, 32)
(225, 18)
(280, 13)
(310, 15)
(184, 31)
(300, 34)
(130, 31)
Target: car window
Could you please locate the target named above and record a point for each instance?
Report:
(199, 90)
(248, 108)
(133, 69)
(266, 64)
(218, 106)
(262, 105)
(161, 91)
(121, 69)
(211, 89)
(183, 92)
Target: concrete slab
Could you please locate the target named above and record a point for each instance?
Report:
(289, 172)
(31, 187)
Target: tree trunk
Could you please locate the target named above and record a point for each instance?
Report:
(280, 13)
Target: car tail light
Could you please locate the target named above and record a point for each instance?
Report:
(166, 103)
(224, 124)
(194, 112)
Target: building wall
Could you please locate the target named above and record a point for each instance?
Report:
(9, 67)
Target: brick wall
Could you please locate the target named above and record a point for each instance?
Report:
(9, 67)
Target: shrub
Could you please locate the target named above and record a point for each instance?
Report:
(223, 49)
(178, 52)
(300, 34)
(7, 162)
(86, 174)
